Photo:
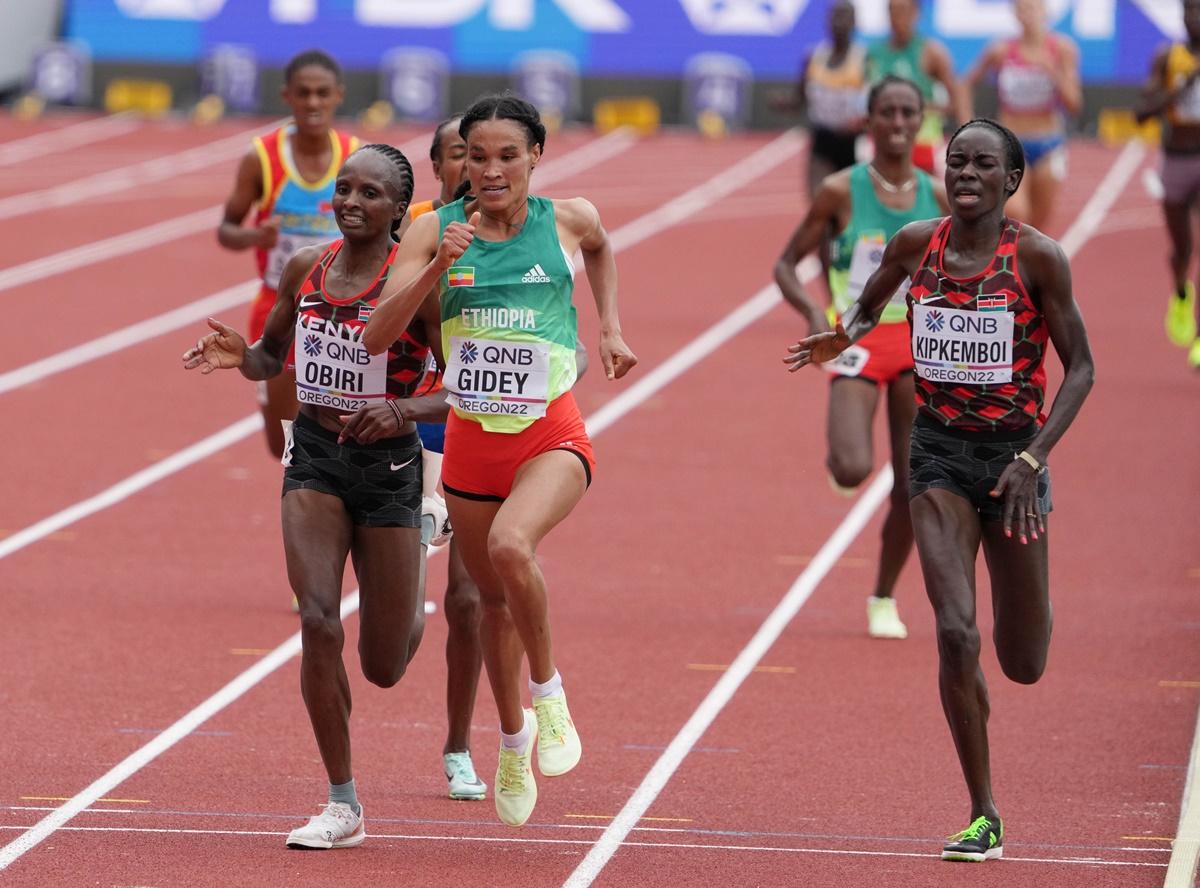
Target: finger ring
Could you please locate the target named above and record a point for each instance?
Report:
(1031, 514)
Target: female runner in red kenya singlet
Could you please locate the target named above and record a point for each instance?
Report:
(352, 483)
(987, 294)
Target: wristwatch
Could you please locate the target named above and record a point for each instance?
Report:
(1037, 467)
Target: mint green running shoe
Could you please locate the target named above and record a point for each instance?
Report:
(982, 840)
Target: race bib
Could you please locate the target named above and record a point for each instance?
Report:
(285, 248)
(864, 261)
(1024, 88)
(834, 107)
(849, 363)
(335, 371)
(953, 345)
(498, 377)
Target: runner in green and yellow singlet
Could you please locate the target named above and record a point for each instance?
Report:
(865, 205)
(518, 458)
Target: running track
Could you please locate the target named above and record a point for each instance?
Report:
(828, 764)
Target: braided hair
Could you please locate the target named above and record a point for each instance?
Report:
(312, 57)
(402, 180)
(505, 107)
(893, 80)
(1014, 154)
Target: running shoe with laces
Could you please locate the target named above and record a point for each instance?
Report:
(335, 827)
(1180, 322)
(516, 790)
(982, 840)
(559, 748)
(465, 784)
(1194, 355)
(883, 620)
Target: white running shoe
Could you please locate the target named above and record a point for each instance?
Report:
(883, 621)
(335, 827)
(559, 748)
(460, 774)
(516, 790)
(435, 507)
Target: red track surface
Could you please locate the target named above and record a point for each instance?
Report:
(833, 767)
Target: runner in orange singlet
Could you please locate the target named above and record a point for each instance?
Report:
(987, 296)
(288, 176)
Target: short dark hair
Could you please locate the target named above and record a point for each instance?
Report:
(403, 170)
(435, 150)
(893, 80)
(1014, 153)
(312, 57)
(505, 106)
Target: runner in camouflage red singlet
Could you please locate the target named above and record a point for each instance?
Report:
(986, 295)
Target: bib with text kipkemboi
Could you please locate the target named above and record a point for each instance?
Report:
(959, 346)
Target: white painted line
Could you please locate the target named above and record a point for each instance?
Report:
(131, 485)
(1185, 850)
(67, 137)
(127, 337)
(133, 176)
(660, 774)
(206, 710)
(594, 152)
(525, 840)
(110, 248)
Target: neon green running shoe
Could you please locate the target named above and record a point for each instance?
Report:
(516, 790)
(1194, 355)
(1181, 318)
(982, 840)
(559, 748)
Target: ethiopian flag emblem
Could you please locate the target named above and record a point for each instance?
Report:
(461, 276)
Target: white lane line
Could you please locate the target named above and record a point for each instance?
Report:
(586, 156)
(662, 771)
(1185, 850)
(524, 840)
(190, 722)
(131, 485)
(132, 176)
(126, 337)
(67, 137)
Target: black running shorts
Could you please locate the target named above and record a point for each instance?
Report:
(379, 483)
(967, 466)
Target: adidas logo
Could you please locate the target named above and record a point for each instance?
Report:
(536, 275)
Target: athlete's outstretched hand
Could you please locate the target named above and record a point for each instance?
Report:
(455, 240)
(368, 424)
(221, 350)
(817, 348)
(617, 357)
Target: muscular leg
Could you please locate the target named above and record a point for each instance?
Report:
(1020, 578)
(848, 429)
(387, 562)
(316, 538)
(464, 654)
(280, 404)
(897, 526)
(948, 534)
(1043, 191)
(1178, 217)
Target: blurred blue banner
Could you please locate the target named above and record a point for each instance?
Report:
(606, 37)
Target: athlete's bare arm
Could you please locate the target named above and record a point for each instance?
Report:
(901, 257)
(420, 262)
(247, 191)
(827, 215)
(579, 227)
(1066, 77)
(1156, 98)
(987, 64)
(940, 67)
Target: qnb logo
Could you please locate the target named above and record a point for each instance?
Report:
(934, 321)
(468, 353)
(312, 345)
(536, 275)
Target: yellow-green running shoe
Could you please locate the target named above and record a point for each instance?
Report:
(1180, 322)
(559, 748)
(1194, 355)
(982, 840)
(516, 790)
